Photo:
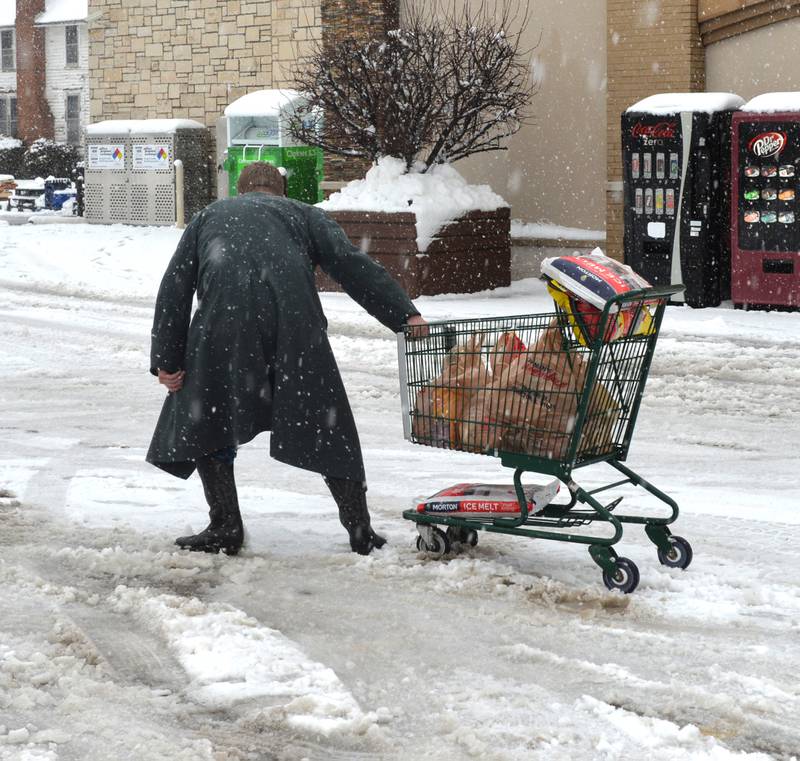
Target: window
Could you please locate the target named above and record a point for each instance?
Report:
(71, 40)
(8, 115)
(8, 59)
(73, 119)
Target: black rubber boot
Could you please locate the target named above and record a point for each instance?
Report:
(351, 498)
(225, 530)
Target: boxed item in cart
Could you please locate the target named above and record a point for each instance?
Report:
(473, 500)
(583, 285)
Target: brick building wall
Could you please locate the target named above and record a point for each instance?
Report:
(34, 117)
(652, 47)
(191, 58)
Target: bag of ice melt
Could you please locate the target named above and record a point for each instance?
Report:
(472, 500)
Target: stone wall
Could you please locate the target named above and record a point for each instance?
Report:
(364, 20)
(190, 58)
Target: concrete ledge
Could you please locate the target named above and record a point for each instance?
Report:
(527, 253)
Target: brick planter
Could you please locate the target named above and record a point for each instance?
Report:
(470, 254)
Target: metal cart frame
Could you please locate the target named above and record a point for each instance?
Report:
(557, 522)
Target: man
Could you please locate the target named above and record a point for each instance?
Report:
(255, 356)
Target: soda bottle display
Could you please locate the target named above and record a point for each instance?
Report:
(660, 166)
(647, 166)
(670, 202)
(673, 166)
(659, 201)
(639, 195)
(635, 168)
(648, 201)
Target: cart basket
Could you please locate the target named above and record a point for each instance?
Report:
(544, 392)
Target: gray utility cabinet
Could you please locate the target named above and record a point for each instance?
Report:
(130, 170)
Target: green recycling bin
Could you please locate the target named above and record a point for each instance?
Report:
(256, 128)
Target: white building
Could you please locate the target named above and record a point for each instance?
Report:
(66, 64)
(8, 67)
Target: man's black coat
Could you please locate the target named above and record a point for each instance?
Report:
(256, 353)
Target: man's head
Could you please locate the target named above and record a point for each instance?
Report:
(262, 177)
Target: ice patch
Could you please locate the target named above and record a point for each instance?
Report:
(232, 658)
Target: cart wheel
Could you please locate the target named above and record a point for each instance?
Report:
(679, 554)
(440, 546)
(462, 535)
(625, 577)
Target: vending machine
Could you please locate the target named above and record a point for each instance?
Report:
(676, 192)
(765, 223)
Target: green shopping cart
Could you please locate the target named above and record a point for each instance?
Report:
(546, 393)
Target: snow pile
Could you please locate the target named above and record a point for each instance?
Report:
(61, 11)
(232, 658)
(773, 102)
(141, 126)
(675, 102)
(439, 196)
(661, 738)
(9, 142)
(546, 231)
(263, 103)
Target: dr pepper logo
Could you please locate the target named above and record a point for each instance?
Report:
(767, 144)
(660, 131)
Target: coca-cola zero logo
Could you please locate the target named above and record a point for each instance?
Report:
(660, 131)
(767, 144)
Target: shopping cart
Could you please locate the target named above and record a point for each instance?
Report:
(546, 393)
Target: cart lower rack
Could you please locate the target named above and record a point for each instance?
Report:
(546, 393)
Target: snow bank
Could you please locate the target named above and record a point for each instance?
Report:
(9, 142)
(263, 103)
(773, 102)
(546, 231)
(61, 11)
(141, 126)
(437, 197)
(232, 658)
(675, 102)
(106, 261)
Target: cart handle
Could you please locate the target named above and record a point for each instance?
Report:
(657, 292)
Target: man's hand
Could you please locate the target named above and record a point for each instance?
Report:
(419, 327)
(173, 381)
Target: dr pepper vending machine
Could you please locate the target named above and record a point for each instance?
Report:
(765, 218)
(676, 192)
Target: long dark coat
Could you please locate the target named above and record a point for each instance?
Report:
(256, 353)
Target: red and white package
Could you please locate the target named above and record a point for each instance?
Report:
(473, 500)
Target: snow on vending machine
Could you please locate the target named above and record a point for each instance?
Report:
(676, 192)
(765, 217)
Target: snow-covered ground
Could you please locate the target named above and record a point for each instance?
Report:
(115, 646)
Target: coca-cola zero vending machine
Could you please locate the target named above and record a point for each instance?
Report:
(676, 192)
(765, 246)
